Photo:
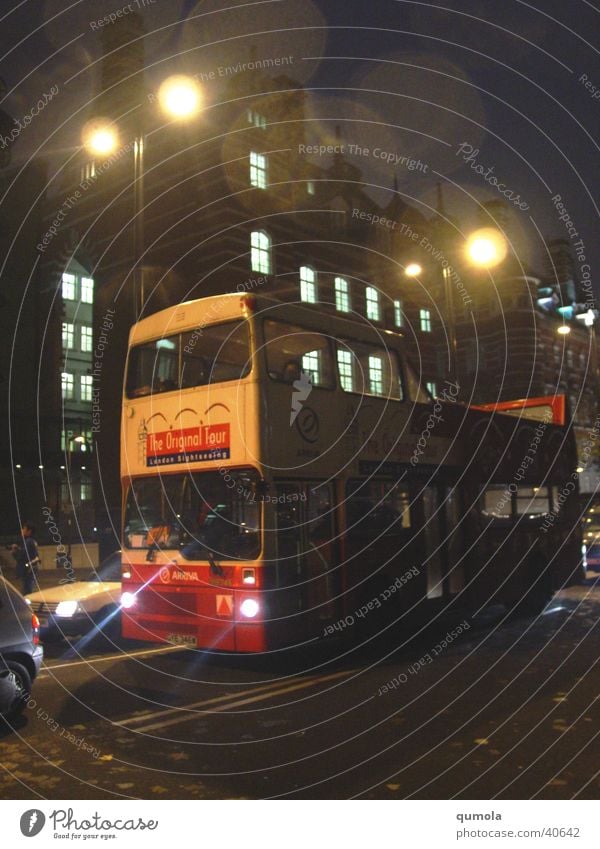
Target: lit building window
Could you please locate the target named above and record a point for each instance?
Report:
(311, 363)
(86, 491)
(373, 307)
(87, 290)
(67, 384)
(260, 251)
(344, 359)
(86, 387)
(425, 320)
(398, 314)
(68, 287)
(258, 170)
(310, 187)
(432, 388)
(308, 284)
(68, 336)
(342, 295)
(86, 338)
(256, 119)
(375, 375)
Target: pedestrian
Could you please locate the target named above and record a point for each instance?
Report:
(27, 558)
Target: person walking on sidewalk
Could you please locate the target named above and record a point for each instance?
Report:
(27, 558)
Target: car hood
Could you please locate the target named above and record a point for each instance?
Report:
(78, 591)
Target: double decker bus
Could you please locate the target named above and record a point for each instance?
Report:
(284, 471)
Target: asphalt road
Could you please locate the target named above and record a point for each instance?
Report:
(507, 708)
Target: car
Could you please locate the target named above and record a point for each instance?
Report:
(21, 654)
(591, 540)
(78, 607)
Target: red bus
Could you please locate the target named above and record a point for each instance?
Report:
(285, 475)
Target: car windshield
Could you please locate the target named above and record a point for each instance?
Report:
(108, 570)
(203, 515)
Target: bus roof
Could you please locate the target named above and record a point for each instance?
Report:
(216, 309)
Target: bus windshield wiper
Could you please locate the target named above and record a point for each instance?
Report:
(215, 568)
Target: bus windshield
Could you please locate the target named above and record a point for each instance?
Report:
(203, 515)
(211, 354)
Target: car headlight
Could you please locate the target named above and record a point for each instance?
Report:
(128, 600)
(67, 608)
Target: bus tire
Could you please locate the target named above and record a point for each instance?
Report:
(537, 590)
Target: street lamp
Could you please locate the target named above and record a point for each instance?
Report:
(100, 138)
(413, 269)
(484, 248)
(180, 99)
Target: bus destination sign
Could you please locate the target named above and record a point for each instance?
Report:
(188, 445)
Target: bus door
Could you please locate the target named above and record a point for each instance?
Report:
(307, 549)
(443, 537)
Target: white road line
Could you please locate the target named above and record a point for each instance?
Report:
(91, 661)
(238, 703)
(262, 688)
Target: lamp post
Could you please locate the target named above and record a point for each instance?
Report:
(484, 248)
(179, 98)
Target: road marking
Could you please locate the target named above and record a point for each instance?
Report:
(189, 711)
(103, 658)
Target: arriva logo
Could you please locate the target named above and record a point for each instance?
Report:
(302, 389)
(167, 575)
(32, 822)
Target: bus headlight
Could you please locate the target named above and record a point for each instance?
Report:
(249, 608)
(67, 608)
(128, 600)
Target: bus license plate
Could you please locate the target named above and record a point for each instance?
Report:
(182, 640)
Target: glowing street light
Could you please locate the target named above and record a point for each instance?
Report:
(100, 138)
(413, 269)
(180, 97)
(486, 247)
(563, 329)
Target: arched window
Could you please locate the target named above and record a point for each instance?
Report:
(308, 284)
(260, 252)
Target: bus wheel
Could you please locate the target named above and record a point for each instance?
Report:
(536, 590)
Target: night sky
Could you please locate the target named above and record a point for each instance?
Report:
(506, 80)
